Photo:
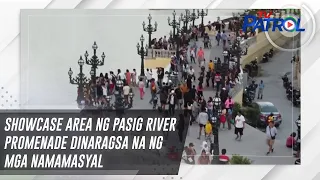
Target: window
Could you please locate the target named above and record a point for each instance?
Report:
(269, 109)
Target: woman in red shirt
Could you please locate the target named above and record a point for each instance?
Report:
(291, 141)
(223, 120)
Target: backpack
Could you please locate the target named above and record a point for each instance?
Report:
(208, 128)
(154, 88)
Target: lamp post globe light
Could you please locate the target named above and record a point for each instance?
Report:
(79, 80)
(142, 51)
(149, 28)
(193, 16)
(217, 107)
(185, 18)
(202, 13)
(94, 61)
(174, 23)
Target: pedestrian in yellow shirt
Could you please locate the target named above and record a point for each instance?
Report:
(211, 65)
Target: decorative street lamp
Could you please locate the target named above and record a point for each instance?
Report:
(225, 67)
(79, 80)
(149, 29)
(94, 61)
(238, 51)
(202, 13)
(142, 51)
(225, 55)
(220, 23)
(178, 41)
(186, 18)
(193, 16)
(216, 122)
(238, 26)
(174, 23)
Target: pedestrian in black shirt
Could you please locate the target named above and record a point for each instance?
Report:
(179, 97)
(208, 75)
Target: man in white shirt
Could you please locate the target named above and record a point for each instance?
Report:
(239, 123)
(149, 77)
(126, 91)
(271, 133)
(191, 73)
(192, 55)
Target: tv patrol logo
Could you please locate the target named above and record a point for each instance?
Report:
(263, 21)
(291, 25)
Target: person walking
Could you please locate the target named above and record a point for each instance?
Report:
(202, 120)
(172, 103)
(217, 79)
(134, 77)
(141, 88)
(126, 91)
(224, 38)
(153, 90)
(271, 133)
(218, 38)
(200, 56)
(260, 90)
(192, 55)
(239, 125)
(149, 77)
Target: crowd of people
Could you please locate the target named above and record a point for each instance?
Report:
(187, 94)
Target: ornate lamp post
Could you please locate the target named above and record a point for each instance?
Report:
(149, 29)
(174, 23)
(94, 61)
(238, 26)
(193, 16)
(142, 51)
(202, 13)
(238, 50)
(79, 80)
(220, 23)
(178, 42)
(186, 18)
(225, 67)
(217, 107)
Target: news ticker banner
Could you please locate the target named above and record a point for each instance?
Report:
(90, 142)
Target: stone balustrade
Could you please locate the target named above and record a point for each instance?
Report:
(160, 53)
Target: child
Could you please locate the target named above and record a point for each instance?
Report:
(223, 158)
(291, 142)
(208, 131)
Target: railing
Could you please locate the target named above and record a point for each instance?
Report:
(160, 53)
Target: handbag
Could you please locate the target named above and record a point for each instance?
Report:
(232, 121)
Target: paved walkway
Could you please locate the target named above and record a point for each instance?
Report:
(275, 93)
(253, 144)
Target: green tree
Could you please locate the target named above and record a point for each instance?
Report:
(237, 159)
